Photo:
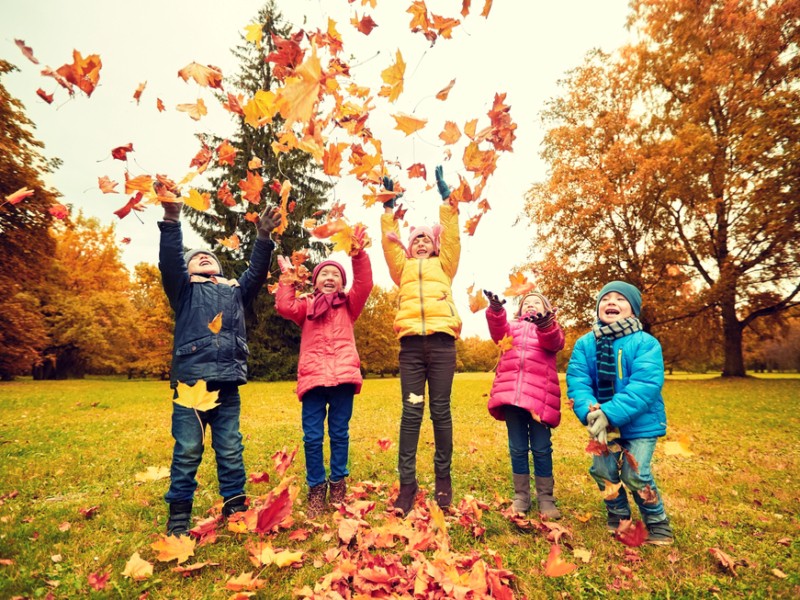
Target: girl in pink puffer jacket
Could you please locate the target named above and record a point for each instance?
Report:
(526, 394)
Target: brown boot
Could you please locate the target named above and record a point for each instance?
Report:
(338, 491)
(545, 498)
(522, 492)
(406, 497)
(444, 491)
(315, 505)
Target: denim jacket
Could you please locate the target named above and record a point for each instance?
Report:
(198, 353)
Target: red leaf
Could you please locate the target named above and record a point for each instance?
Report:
(273, 512)
(596, 448)
(26, 51)
(133, 204)
(121, 152)
(98, 581)
(89, 512)
(44, 96)
(283, 460)
(260, 477)
(59, 211)
(631, 534)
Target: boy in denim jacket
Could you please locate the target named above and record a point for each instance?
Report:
(197, 292)
(614, 378)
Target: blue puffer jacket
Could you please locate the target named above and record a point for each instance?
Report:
(197, 352)
(637, 408)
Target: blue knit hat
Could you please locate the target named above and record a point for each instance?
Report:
(631, 293)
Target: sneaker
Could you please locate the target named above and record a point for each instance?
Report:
(338, 491)
(660, 534)
(233, 505)
(315, 505)
(613, 521)
(180, 516)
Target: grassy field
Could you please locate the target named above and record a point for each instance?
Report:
(69, 446)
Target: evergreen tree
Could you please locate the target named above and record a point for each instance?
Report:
(273, 341)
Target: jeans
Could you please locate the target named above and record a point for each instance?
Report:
(430, 358)
(524, 434)
(616, 467)
(337, 401)
(188, 429)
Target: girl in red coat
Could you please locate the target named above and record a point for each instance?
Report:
(526, 394)
(329, 369)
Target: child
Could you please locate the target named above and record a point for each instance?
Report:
(526, 395)
(197, 292)
(614, 378)
(328, 371)
(427, 324)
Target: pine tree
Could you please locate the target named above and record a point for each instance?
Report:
(273, 341)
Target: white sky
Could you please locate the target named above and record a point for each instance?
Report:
(522, 49)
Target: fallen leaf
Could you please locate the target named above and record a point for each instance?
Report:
(170, 547)
(555, 566)
(137, 568)
(415, 398)
(152, 474)
(679, 448)
(98, 581)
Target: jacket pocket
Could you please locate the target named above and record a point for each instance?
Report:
(194, 346)
(241, 346)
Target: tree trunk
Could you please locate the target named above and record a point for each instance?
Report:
(732, 331)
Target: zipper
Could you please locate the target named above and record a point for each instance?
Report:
(619, 363)
(521, 363)
(421, 298)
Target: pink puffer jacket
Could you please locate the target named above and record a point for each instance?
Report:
(328, 355)
(526, 375)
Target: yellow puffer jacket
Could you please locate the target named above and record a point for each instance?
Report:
(426, 298)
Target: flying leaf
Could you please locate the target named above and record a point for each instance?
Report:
(630, 533)
(487, 6)
(417, 170)
(255, 33)
(450, 134)
(472, 224)
(26, 51)
(365, 25)
(198, 201)
(152, 474)
(274, 510)
(209, 76)
(283, 460)
(141, 183)
(19, 195)
(252, 187)
(216, 324)
(301, 93)
(106, 185)
(329, 228)
(260, 477)
(59, 211)
(202, 159)
(506, 343)
(393, 77)
(195, 111)
(519, 285)
(226, 154)
(121, 152)
(555, 566)
(332, 159)
(477, 301)
(225, 196)
(232, 242)
(137, 568)
(160, 105)
(408, 124)
(444, 25)
(138, 93)
(44, 96)
(196, 396)
(443, 93)
(83, 72)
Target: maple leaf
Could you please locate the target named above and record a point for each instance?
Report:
(152, 474)
(198, 201)
(479, 161)
(648, 495)
(255, 33)
(170, 547)
(83, 72)
(106, 185)
(555, 566)
(444, 92)
(245, 581)
(209, 76)
(611, 490)
(477, 301)
(506, 343)
(419, 16)
(201, 159)
(408, 124)
(301, 93)
(195, 111)
(260, 477)
(393, 77)
(365, 25)
(450, 134)
(160, 105)
(519, 285)
(417, 170)
(283, 460)
(138, 93)
(188, 570)
(472, 224)
(226, 154)
(252, 187)
(59, 211)
(44, 96)
(134, 203)
(347, 530)
(725, 560)
(98, 581)
(26, 51)
(630, 533)
(225, 196)
(19, 195)
(137, 568)
(444, 25)
(216, 324)
(121, 152)
(231, 242)
(274, 511)
(196, 396)
(596, 448)
(384, 443)
(287, 54)
(89, 511)
(332, 159)
(141, 183)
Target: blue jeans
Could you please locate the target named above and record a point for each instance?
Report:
(615, 467)
(430, 358)
(526, 434)
(188, 427)
(337, 401)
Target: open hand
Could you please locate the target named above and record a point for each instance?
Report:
(441, 185)
(267, 221)
(495, 304)
(172, 210)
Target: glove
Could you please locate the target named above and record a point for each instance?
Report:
(267, 221)
(172, 211)
(495, 304)
(444, 189)
(598, 425)
(388, 185)
(541, 320)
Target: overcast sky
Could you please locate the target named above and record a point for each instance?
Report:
(522, 49)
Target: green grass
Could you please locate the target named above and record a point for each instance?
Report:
(67, 446)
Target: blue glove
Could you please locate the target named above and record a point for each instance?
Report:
(444, 189)
(598, 425)
(388, 185)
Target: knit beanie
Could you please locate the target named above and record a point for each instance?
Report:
(429, 232)
(545, 302)
(327, 263)
(631, 293)
(190, 253)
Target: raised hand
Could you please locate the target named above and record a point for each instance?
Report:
(541, 320)
(495, 304)
(267, 221)
(441, 185)
(388, 185)
(172, 211)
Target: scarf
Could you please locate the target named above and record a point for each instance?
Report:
(324, 302)
(604, 337)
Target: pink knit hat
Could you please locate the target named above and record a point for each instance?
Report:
(328, 263)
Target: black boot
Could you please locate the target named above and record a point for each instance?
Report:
(233, 504)
(180, 517)
(444, 491)
(406, 497)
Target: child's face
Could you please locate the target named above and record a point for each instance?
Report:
(202, 264)
(532, 304)
(421, 247)
(613, 307)
(329, 280)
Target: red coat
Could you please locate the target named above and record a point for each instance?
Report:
(328, 355)
(526, 375)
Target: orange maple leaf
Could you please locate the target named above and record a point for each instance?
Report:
(245, 581)
(408, 124)
(231, 242)
(225, 196)
(417, 170)
(226, 154)
(479, 161)
(419, 16)
(106, 185)
(332, 159)
(83, 72)
(444, 25)
(170, 547)
(252, 187)
(487, 6)
(209, 76)
(44, 96)
(450, 134)
(444, 92)
(555, 566)
(19, 195)
(140, 183)
(365, 25)
(472, 224)
(195, 111)
(506, 343)
(470, 127)
(477, 301)
(160, 105)
(393, 77)
(328, 228)
(138, 93)
(519, 285)
(301, 93)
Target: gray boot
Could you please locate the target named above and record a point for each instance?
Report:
(545, 498)
(522, 493)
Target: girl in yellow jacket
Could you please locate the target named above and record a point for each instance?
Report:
(427, 325)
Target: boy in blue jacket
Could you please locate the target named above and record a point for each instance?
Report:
(197, 292)
(614, 378)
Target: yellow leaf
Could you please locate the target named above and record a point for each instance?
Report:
(506, 343)
(408, 124)
(299, 96)
(216, 324)
(195, 111)
(393, 76)
(260, 109)
(286, 558)
(245, 581)
(198, 201)
(477, 301)
(171, 547)
(232, 242)
(152, 474)
(679, 448)
(255, 32)
(137, 568)
(196, 396)
(582, 554)
(342, 240)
